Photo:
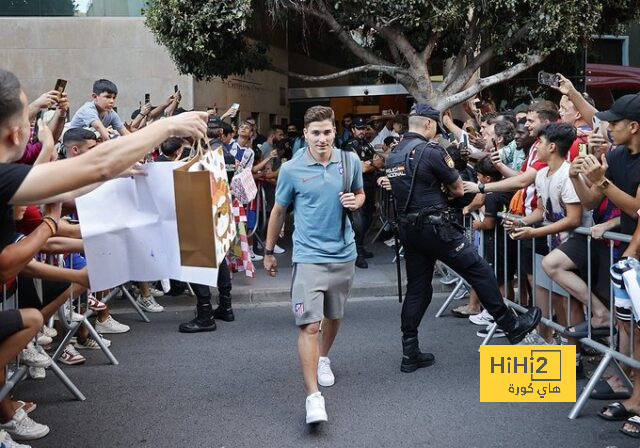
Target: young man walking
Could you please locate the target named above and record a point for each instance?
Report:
(323, 184)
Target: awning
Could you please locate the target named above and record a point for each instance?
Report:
(617, 77)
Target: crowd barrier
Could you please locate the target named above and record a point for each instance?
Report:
(609, 351)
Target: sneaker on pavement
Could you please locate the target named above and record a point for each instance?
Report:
(485, 331)
(325, 375)
(449, 279)
(32, 358)
(316, 412)
(482, 319)
(7, 442)
(111, 326)
(91, 344)
(149, 304)
(156, 292)
(70, 356)
(278, 250)
(95, 304)
(533, 338)
(37, 373)
(22, 427)
(254, 256)
(48, 331)
(69, 314)
(390, 242)
(462, 293)
(43, 339)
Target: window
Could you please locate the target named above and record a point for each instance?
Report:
(612, 50)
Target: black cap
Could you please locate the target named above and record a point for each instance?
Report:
(625, 108)
(425, 110)
(358, 122)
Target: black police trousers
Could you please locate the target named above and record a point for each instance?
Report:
(203, 292)
(423, 245)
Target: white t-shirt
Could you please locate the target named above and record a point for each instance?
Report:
(555, 191)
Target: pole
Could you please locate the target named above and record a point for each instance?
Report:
(396, 238)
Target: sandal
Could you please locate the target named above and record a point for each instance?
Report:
(581, 330)
(635, 422)
(603, 391)
(616, 412)
(461, 311)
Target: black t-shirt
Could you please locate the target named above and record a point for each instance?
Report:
(624, 173)
(365, 152)
(495, 202)
(11, 177)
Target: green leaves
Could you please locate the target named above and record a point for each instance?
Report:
(206, 38)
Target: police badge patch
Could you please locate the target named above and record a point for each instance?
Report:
(448, 159)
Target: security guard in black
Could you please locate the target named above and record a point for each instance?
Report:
(418, 170)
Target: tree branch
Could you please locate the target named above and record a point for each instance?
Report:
(467, 47)
(448, 101)
(388, 69)
(428, 49)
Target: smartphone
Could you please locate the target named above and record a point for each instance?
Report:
(61, 84)
(147, 98)
(34, 137)
(465, 139)
(235, 106)
(175, 88)
(548, 79)
(582, 149)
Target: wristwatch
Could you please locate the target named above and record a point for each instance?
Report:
(481, 187)
(268, 251)
(603, 184)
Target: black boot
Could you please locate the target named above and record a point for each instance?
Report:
(361, 262)
(517, 327)
(412, 357)
(203, 321)
(366, 253)
(224, 311)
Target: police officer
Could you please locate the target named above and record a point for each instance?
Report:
(363, 217)
(417, 170)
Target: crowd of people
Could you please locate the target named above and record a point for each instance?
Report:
(565, 164)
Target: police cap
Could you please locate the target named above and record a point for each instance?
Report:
(358, 122)
(426, 110)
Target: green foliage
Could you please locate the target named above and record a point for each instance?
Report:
(206, 38)
(37, 8)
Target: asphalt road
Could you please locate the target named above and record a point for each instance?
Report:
(241, 387)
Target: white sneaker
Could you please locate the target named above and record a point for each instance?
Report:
(37, 373)
(316, 412)
(155, 292)
(31, 357)
(21, 427)
(325, 375)
(533, 338)
(462, 293)
(48, 331)
(390, 242)
(482, 319)
(149, 304)
(449, 279)
(43, 339)
(278, 250)
(7, 442)
(69, 314)
(497, 334)
(111, 326)
(254, 256)
(91, 344)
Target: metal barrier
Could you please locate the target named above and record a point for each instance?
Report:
(611, 356)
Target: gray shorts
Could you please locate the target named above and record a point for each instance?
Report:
(320, 290)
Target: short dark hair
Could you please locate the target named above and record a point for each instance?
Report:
(489, 117)
(507, 115)
(226, 128)
(10, 103)
(319, 113)
(171, 145)
(77, 135)
(546, 110)
(506, 130)
(104, 85)
(485, 166)
(390, 140)
(562, 134)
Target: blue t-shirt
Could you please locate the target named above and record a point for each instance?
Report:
(314, 190)
(88, 113)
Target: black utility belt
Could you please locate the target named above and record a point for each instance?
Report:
(429, 217)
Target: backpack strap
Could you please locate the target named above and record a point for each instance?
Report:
(410, 147)
(347, 180)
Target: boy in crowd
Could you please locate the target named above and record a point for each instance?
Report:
(557, 202)
(98, 113)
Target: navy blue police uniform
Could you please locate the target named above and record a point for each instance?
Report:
(417, 169)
